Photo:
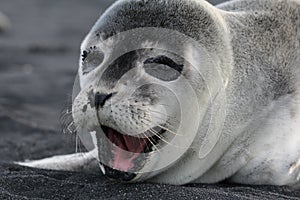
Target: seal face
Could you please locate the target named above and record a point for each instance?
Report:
(130, 107)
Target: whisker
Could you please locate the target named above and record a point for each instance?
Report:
(76, 143)
(167, 129)
(149, 139)
(166, 122)
(159, 136)
(66, 119)
(149, 120)
(70, 128)
(163, 105)
(168, 116)
(163, 127)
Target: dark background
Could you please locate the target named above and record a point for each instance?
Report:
(38, 64)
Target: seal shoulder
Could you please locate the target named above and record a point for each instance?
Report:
(265, 43)
(265, 89)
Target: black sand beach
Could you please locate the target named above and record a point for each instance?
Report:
(38, 64)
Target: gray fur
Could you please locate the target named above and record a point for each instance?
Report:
(256, 45)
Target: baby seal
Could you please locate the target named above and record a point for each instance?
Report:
(178, 91)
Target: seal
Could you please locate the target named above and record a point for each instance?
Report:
(178, 92)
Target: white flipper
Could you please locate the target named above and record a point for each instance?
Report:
(72, 162)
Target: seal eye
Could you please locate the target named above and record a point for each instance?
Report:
(91, 59)
(163, 68)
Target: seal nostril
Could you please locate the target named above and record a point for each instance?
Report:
(100, 99)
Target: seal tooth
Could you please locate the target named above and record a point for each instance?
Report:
(102, 168)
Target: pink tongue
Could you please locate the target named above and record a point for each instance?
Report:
(125, 150)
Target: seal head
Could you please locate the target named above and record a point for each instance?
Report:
(141, 90)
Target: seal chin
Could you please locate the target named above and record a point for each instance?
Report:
(116, 174)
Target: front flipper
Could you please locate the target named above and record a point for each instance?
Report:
(73, 162)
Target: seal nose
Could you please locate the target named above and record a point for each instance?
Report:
(100, 99)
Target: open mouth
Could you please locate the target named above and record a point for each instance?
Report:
(131, 143)
(125, 151)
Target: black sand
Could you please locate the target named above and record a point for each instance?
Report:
(38, 63)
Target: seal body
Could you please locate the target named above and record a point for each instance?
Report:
(267, 96)
(244, 78)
